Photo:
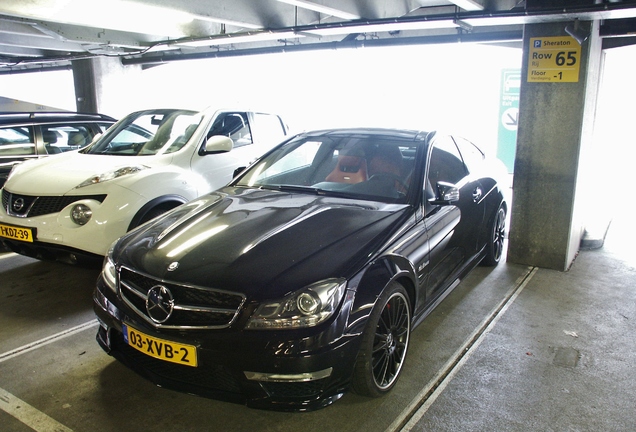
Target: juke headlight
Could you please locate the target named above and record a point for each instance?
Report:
(307, 307)
(120, 172)
(13, 170)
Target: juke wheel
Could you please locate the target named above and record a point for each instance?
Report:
(384, 343)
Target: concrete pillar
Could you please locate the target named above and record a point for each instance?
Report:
(555, 128)
(98, 83)
(86, 76)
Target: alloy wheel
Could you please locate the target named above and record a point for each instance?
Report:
(391, 341)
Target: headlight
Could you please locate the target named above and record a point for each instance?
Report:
(81, 214)
(109, 271)
(305, 308)
(111, 175)
(13, 169)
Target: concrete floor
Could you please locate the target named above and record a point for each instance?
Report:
(513, 348)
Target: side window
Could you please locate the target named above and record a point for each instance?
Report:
(234, 125)
(270, 128)
(473, 157)
(17, 141)
(446, 163)
(62, 138)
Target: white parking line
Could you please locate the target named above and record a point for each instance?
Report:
(22, 411)
(47, 340)
(36, 420)
(412, 414)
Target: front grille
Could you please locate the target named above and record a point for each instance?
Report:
(193, 307)
(31, 206)
(214, 377)
(5, 199)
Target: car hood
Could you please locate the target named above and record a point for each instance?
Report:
(60, 174)
(262, 243)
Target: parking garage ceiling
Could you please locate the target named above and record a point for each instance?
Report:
(41, 34)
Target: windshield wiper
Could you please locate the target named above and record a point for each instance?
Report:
(292, 188)
(312, 190)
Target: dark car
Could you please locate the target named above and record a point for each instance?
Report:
(306, 274)
(31, 135)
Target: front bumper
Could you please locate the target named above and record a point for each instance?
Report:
(56, 236)
(47, 251)
(261, 369)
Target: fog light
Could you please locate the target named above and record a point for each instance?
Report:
(81, 214)
(299, 377)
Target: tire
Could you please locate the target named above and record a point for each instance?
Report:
(496, 237)
(384, 344)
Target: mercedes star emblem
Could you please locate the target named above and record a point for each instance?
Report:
(159, 303)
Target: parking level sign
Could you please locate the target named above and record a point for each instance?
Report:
(554, 59)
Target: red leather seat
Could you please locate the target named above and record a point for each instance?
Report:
(349, 169)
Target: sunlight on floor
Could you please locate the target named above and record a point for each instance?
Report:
(621, 237)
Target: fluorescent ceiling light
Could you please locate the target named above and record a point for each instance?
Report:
(496, 21)
(321, 9)
(225, 21)
(235, 38)
(124, 14)
(118, 15)
(469, 5)
(382, 27)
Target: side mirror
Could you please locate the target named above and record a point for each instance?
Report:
(216, 144)
(447, 193)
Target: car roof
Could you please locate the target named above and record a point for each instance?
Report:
(44, 117)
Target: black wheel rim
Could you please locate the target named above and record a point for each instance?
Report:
(391, 341)
(499, 234)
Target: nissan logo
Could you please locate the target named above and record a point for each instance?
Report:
(159, 304)
(18, 204)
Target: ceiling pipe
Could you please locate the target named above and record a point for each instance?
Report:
(515, 16)
(346, 43)
(518, 16)
(37, 69)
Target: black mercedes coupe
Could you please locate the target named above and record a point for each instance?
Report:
(305, 276)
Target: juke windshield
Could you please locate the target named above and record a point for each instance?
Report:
(148, 133)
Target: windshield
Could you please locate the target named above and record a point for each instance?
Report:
(357, 166)
(148, 133)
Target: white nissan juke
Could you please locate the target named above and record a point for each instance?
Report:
(72, 206)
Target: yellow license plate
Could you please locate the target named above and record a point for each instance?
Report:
(16, 233)
(162, 349)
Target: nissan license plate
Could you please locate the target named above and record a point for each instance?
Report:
(16, 233)
(162, 349)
